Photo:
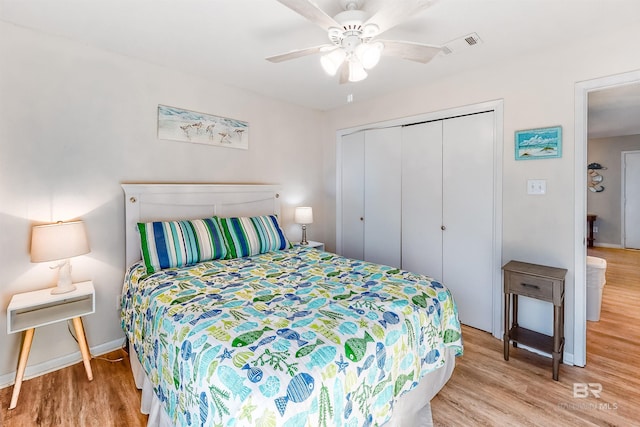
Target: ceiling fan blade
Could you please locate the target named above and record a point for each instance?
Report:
(344, 72)
(300, 53)
(394, 12)
(408, 50)
(313, 13)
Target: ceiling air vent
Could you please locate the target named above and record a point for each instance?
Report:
(471, 40)
(461, 43)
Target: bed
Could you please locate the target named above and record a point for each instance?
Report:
(279, 334)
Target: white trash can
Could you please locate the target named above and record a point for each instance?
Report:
(596, 269)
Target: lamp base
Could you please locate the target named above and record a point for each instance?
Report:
(303, 241)
(64, 278)
(63, 289)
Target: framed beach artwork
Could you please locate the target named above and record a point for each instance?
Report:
(178, 124)
(544, 143)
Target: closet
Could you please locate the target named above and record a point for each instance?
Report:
(372, 194)
(421, 197)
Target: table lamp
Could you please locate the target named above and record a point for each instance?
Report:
(303, 215)
(59, 242)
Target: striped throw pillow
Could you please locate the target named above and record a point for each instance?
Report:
(254, 235)
(169, 244)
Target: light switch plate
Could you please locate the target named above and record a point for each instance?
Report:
(536, 186)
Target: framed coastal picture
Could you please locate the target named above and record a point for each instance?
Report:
(544, 143)
(178, 124)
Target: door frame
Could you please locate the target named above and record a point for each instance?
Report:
(582, 90)
(623, 192)
(497, 106)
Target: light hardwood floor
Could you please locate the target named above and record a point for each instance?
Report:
(487, 390)
(484, 390)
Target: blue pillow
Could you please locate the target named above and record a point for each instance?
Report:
(254, 235)
(170, 244)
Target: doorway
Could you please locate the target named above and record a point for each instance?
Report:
(630, 199)
(582, 91)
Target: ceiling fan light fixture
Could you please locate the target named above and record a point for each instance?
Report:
(369, 54)
(352, 33)
(356, 71)
(331, 61)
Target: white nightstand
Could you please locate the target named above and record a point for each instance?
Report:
(312, 244)
(29, 310)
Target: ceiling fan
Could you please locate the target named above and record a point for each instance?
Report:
(354, 47)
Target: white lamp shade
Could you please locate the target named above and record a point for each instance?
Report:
(58, 241)
(303, 215)
(356, 71)
(331, 61)
(369, 54)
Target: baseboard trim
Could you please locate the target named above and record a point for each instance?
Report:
(607, 245)
(60, 362)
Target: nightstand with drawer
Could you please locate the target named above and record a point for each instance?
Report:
(542, 283)
(30, 310)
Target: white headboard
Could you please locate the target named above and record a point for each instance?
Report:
(162, 202)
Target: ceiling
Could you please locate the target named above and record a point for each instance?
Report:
(614, 112)
(227, 40)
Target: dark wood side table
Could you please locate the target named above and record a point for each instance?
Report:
(542, 283)
(591, 219)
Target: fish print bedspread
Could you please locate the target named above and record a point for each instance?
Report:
(291, 338)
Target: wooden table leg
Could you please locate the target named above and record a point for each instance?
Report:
(22, 364)
(84, 348)
(562, 332)
(506, 338)
(514, 321)
(557, 340)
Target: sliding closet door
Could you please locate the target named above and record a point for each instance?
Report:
(468, 204)
(353, 195)
(382, 196)
(422, 198)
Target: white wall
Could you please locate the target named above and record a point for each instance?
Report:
(538, 91)
(76, 122)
